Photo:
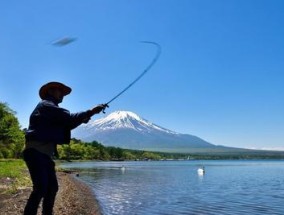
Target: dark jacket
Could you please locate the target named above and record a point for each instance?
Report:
(51, 123)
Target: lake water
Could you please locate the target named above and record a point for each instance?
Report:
(174, 187)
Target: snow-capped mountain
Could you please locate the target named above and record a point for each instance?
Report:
(126, 120)
(126, 129)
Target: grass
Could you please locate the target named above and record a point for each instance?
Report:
(12, 168)
(14, 174)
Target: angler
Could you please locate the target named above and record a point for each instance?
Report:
(50, 125)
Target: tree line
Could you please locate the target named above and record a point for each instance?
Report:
(78, 150)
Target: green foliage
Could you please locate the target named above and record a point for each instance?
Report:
(78, 150)
(11, 135)
(115, 153)
(151, 156)
(128, 155)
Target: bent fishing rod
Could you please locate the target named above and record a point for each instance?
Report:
(155, 59)
(67, 40)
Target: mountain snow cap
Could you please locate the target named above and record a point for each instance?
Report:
(126, 119)
(120, 115)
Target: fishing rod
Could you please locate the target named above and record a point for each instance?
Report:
(140, 76)
(67, 40)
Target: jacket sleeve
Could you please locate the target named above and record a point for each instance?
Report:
(77, 119)
(62, 117)
(50, 123)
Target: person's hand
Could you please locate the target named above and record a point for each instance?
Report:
(99, 108)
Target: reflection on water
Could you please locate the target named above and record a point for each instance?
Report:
(175, 187)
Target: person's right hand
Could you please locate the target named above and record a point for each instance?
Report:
(99, 108)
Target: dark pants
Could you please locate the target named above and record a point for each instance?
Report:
(45, 186)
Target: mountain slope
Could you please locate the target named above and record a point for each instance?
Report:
(128, 130)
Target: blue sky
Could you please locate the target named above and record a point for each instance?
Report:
(220, 75)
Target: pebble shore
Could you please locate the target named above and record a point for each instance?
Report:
(73, 198)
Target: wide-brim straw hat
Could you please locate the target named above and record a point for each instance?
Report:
(43, 91)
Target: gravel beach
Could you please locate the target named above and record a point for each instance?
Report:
(73, 198)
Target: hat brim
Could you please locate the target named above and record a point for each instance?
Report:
(43, 92)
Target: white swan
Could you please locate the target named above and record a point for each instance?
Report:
(201, 171)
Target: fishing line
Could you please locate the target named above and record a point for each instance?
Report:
(142, 74)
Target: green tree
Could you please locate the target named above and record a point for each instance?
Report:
(115, 153)
(128, 155)
(91, 153)
(104, 155)
(151, 156)
(103, 152)
(11, 135)
(79, 150)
